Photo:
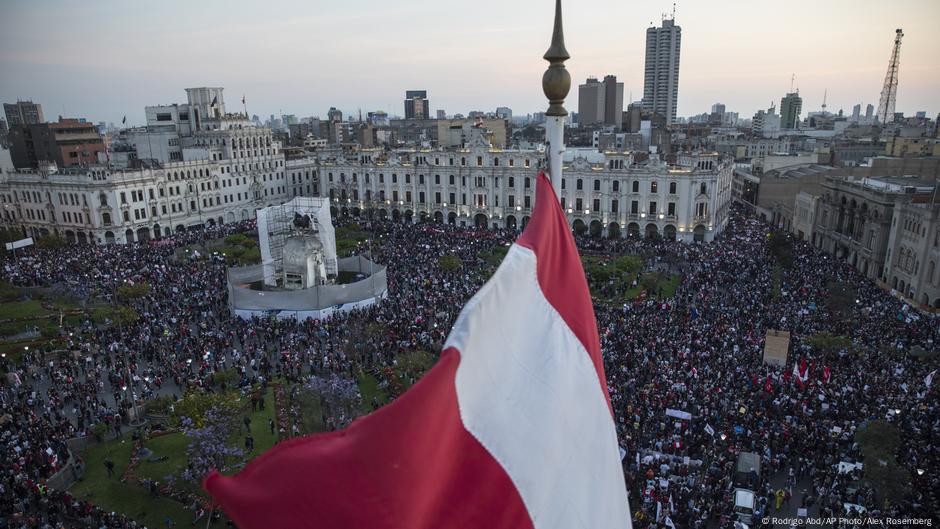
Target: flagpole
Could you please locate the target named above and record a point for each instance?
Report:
(555, 84)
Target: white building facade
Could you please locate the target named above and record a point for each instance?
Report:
(224, 169)
(230, 168)
(605, 195)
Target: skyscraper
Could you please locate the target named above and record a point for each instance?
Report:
(590, 102)
(23, 113)
(601, 102)
(790, 107)
(856, 113)
(661, 84)
(417, 105)
(613, 101)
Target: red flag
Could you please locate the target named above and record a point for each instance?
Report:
(511, 428)
(768, 385)
(826, 374)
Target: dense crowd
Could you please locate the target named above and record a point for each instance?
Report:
(698, 352)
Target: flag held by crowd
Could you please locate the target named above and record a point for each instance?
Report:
(512, 428)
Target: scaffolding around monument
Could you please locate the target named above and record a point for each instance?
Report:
(276, 226)
(300, 275)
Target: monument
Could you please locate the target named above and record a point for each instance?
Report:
(300, 275)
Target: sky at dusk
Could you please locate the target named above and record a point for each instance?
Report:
(105, 59)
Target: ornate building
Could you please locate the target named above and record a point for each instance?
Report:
(195, 164)
(201, 166)
(609, 194)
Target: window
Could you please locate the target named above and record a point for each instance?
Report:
(106, 219)
(421, 197)
(636, 186)
(451, 179)
(123, 198)
(527, 202)
(654, 187)
(495, 162)
(512, 181)
(437, 179)
(597, 185)
(394, 178)
(479, 161)
(437, 198)
(703, 188)
(672, 188)
(613, 206)
(597, 204)
(579, 204)
(453, 198)
(671, 209)
(616, 186)
(527, 183)
(634, 207)
(579, 185)
(512, 200)
(652, 209)
(421, 179)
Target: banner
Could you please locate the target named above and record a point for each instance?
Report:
(679, 414)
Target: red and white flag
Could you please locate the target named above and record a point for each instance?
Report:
(512, 428)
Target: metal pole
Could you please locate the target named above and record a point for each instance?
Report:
(555, 84)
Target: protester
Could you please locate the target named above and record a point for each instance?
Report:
(698, 353)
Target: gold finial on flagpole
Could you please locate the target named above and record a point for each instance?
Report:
(556, 82)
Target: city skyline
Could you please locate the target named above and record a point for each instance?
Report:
(302, 60)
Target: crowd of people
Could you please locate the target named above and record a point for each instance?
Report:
(688, 384)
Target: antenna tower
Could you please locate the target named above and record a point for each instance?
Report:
(825, 95)
(890, 91)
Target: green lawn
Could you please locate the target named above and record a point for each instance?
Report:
(112, 495)
(133, 500)
(369, 389)
(22, 309)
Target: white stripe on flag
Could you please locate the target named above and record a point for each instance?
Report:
(528, 391)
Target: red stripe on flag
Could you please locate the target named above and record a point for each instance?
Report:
(410, 464)
(561, 275)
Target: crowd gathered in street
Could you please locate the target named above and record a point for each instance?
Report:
(689, 386)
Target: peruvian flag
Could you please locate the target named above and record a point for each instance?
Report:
(512, 428)
(800, 373)
(768, 385)
(826, 374)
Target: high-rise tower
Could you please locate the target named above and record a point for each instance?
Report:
(790, 107)
(890, 91)
(661, 83)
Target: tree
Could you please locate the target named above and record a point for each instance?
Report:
(50, 242)
(781, 248)
(449, 263)
(879, 441)
(208, 444)
(129, 291)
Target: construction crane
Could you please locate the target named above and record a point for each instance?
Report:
(890, 91)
